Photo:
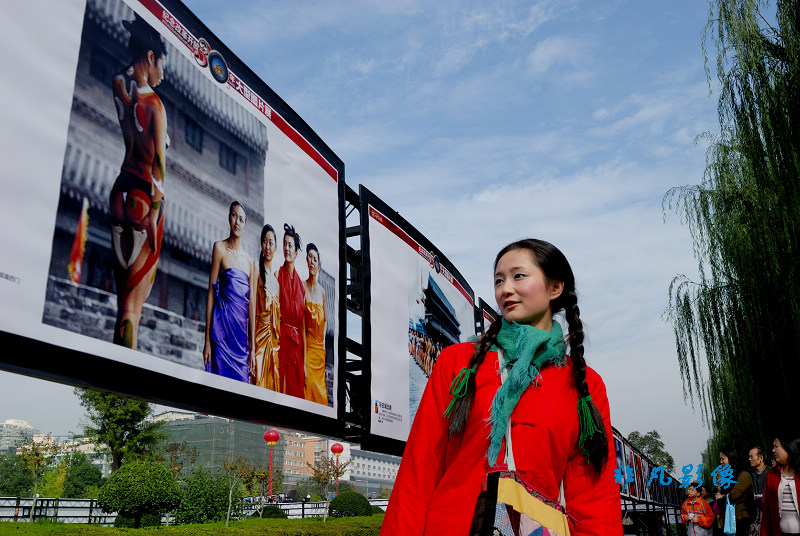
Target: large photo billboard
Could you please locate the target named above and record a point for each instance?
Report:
(187, 222)
(416, 304)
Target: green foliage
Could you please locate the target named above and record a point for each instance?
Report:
(138, 488)
(52, 484)
(204, 498)
(121, 424)
(376, 509)
(384, 493)
(650, 445)
(737, 328)
(15, 481)
(148, 520)
(348, 526)
(234, 474)
(350, 504)
(271, 512)
(82, 478)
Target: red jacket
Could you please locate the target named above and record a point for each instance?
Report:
(770, 515)
(439, 479)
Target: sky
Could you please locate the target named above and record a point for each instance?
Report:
(486, 122)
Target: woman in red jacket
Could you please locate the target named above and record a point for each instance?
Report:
(555, 405)
(780, 512)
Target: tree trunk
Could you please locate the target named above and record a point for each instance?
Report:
(230, 503)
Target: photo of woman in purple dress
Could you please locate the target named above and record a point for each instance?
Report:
(229, 311)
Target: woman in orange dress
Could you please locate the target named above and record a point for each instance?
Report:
(268, 316)
(292, 352)
(316, 390)
(137, 197)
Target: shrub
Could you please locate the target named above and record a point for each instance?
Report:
(377, 509)
(148, 520)
(350, 504)
(204, 499)
(139, 488)
(271, 512)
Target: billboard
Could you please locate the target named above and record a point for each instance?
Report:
(486, 315)
(636, 477)
(415, 304)
(186, 224)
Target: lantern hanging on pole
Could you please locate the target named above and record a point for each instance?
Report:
(271, 437)
(337, 449)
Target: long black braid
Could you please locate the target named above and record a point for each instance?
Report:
(555, 267)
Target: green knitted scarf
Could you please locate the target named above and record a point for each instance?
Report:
(526, 350)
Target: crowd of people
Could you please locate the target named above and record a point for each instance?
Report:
(764, 497)
(424, 350)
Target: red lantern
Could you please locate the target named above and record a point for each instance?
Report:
(337, 449)
(272, 437)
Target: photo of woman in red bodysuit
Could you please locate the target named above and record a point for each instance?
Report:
(137, 197)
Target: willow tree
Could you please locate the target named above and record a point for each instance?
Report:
(737, 327)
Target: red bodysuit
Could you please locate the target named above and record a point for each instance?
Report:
(139, 185)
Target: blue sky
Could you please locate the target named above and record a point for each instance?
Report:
(485, 122)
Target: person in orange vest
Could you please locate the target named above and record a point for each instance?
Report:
(696, 513)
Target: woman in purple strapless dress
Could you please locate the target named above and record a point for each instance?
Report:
(229, 315)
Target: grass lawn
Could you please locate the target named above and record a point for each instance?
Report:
(349, 526)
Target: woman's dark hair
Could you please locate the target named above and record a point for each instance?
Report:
(144, 38)
(313, 247)
(288, 230)
(555, 267)
(264, 230)
(734, 459)
(791, 444)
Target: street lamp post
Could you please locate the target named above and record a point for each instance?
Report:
(337, 449)
(271, 437)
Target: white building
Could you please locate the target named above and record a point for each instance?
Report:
(13, 433)
(370, 471)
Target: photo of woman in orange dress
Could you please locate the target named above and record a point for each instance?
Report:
(316, 390)
(268, 316)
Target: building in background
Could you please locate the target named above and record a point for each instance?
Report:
(372, 473)
(219, 440)
(13, 433)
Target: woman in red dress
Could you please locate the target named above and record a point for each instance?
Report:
(292, 297)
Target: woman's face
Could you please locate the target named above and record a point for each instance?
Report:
(155, 69)
(237, 219)
(522, 292)
(312, 258)
(268, 246)
(779, 453)
(289, 251)
(723, 460)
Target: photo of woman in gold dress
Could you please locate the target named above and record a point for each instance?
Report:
(268, 315)
(316, 390)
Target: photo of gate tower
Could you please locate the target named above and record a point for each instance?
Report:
(216, 154)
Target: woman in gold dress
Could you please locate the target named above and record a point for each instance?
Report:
(316, 390)
(268, 316)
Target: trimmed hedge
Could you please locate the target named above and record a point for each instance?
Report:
(352, 526)
(350, 504)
